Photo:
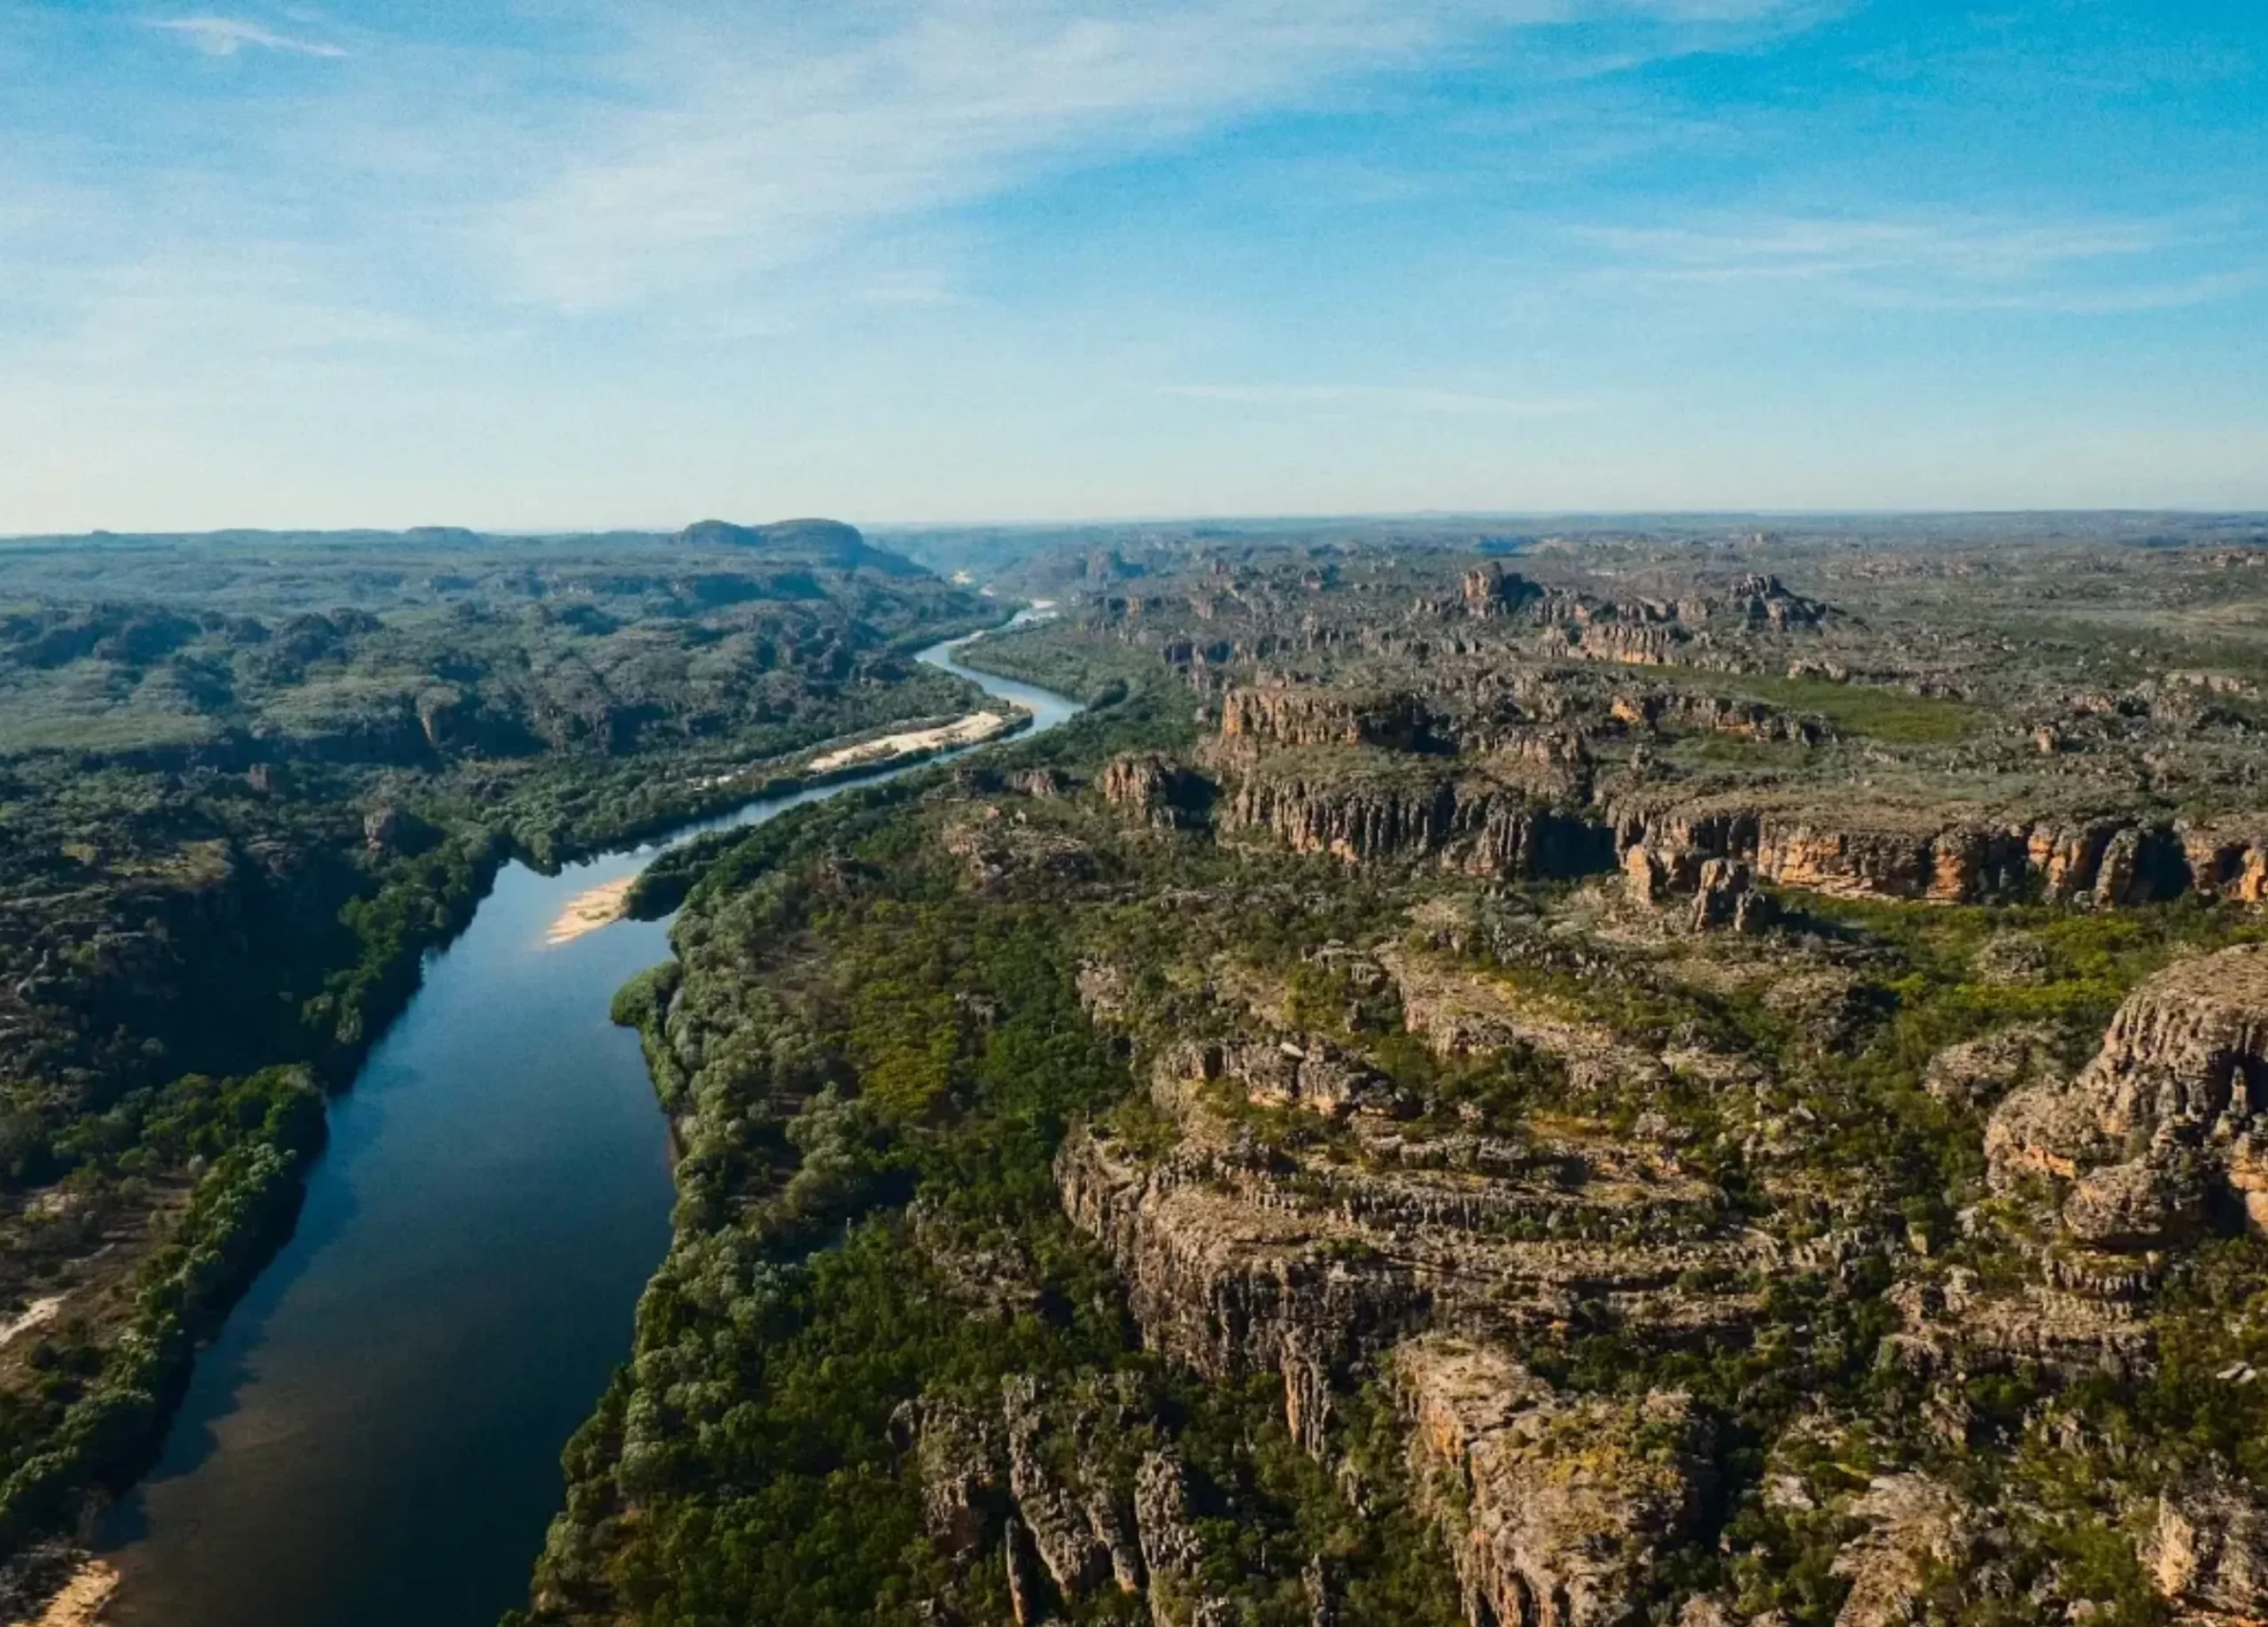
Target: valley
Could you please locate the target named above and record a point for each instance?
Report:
(1638, 1075)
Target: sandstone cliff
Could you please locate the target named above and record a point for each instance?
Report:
(1554, 1506)
(2168, 1111)
(1241, 1260)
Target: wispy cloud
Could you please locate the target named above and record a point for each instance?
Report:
(712, 150)
(225, 37)
(1805, 249)
(2174, 294)
(1384, 397)
(1931, 262)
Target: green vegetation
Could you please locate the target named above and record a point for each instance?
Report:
(881, 1107)
(1865, 711)
(97, 1396)
(1057, 657)
(237, 809)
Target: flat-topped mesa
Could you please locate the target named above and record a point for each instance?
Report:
(1943, 854)
(2172, 1109)
(1655, 644)
(1158, 791)
(1394, 720)
(1555, 1506)
(1490, 590)
(1242, 1259)
(1677, 709)
(1379, 809)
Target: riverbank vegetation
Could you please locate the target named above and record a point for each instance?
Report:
(246, 783)
(1642, 1094)
(873, 1065)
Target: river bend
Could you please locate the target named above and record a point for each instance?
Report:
(374, 1438)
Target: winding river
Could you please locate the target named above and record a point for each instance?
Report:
(373, 1438)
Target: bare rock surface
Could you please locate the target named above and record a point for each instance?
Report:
(2208, 1550)
(2179, 1082)
(1555, 1505)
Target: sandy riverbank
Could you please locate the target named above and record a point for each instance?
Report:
(969, 730)
(586, 912)
(36, 1314)
(81, 1603)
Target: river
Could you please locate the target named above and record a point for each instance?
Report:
(373, 1438)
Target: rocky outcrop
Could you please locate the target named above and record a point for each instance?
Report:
(1555, 1506)
(1171, 1547)
(996, 848)
(2226, 864)
(1305, 1072)
(1880, 853)
(2141, 1204)
(1079, 1529)
(1674, 708)
(1368, 776)
(1883, 856)
(960, 1453)
(1466, 822)
(1727, 897)
(1459, 1013)
(1979, 1073)
(1241, 1262)
(1916, 1527)
(1716, 893)
(382, 828)
(1390, 720)
(2089, 1326)
(2169, 1108)
(1888, 850)
(2209, 1549)
(1632, 645)
(1036, 1472)
(1156, 790)
(1489, 590)
(1761, 601)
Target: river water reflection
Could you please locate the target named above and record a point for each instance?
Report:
(374, 1439)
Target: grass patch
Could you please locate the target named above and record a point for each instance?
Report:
(1864, 710)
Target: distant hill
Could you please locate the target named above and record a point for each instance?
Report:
(820, 545)
(828, 543)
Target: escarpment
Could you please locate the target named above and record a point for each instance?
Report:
(1499, 760)
(1470, 823)
(1541, 822)
(1475, 1096)
(1555, 1507)
(1239, 1260)
(2169, 1109)
(1307, 717)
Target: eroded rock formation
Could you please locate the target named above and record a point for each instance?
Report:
(1554, 1506)
(2168, 1109)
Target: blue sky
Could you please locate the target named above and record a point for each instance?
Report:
(599, 262)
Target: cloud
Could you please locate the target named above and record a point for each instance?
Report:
(225, 37)
(2179, 293)
(712, 150)
(1384, 397)
(1923, 261)
(1804, 250)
